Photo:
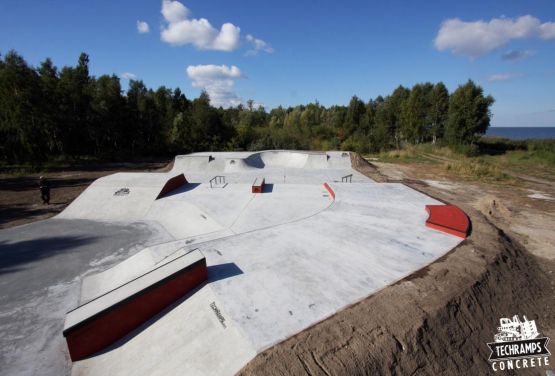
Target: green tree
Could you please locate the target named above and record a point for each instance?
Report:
(438, 111)
(355, 112)
(75, 101)
(107, 114)
(388, 119)
(20, 118)
(413, 115)
(469, 114)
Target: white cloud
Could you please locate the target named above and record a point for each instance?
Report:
(477, 38)
(174, 11)
(503, 76)
(517, 55)
(547, 30)
(257, 46)
(179, 30)
(218, 81)
(128, 76)
(142, 27)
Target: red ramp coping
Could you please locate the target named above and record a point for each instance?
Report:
(448, 218)
(258, 185)
(97, 324)
(328, 188)
(171, 184)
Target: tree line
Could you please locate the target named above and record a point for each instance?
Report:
(47, 113)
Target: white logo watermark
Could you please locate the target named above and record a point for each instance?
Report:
(518, 345)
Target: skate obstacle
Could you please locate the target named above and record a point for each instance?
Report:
(449, 219)
(330, 190)
(258, 185)
(100, 322)
(172, 184)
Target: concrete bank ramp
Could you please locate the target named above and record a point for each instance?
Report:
(95, 325)
(286, 159)
(197, 337)
(96, 285)
(237, 165)
(339, 159)
(197, 163)
(122, 196)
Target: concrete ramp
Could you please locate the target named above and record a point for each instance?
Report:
(96, 285)
(122, 196)
(237, 165)
(100, 322)
(317, 161)
(172, 184)
(339, 159)
(182, 218)
(191, 162)
(286, 159)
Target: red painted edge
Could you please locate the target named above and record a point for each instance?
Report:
(258, 188)
(171, 184)
(332, 193)
(449, 219)
(108, 326)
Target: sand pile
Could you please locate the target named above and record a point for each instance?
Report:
(493, 208)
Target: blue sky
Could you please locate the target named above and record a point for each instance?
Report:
(292, 52)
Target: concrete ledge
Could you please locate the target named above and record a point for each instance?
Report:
(173, 183)
(97, 324)
(449, 219)
(328, 188)
(258, 185)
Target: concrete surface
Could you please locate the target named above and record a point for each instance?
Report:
(41, 266)
(278, 261)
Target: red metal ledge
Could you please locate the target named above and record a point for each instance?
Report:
(258, 185)
(104, 320)
(449, 219)
(171, 184)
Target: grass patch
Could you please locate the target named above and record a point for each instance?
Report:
(476, 168)
(492, 159)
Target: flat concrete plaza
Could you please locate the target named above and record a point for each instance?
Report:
(320, 237)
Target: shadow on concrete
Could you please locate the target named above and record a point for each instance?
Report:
(184, 188)
(268, 188)
(223, 271)
(13, 256)
(255, 160)
(19, 211)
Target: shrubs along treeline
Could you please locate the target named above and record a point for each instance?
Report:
(48, 113)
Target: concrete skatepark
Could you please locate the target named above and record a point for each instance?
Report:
(319, 237)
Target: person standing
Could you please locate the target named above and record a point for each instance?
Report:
(44, 187)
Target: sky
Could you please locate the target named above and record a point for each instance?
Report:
(295, 52)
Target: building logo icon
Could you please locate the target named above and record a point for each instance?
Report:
(518, 345)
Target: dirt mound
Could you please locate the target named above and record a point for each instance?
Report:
(363, 166)
(493, 208)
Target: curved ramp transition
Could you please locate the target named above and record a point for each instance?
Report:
(448, 218)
